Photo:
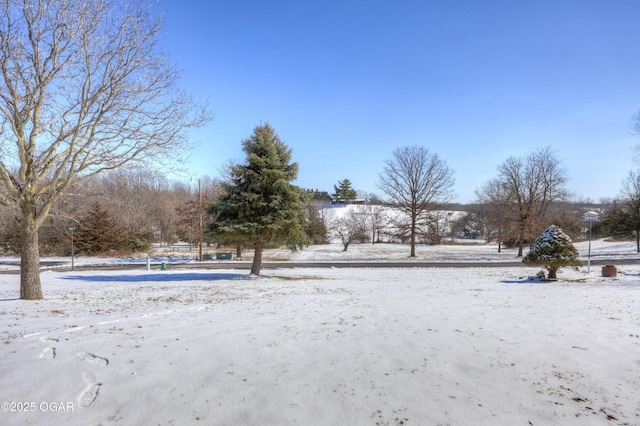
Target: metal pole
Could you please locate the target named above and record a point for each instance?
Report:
(200, 215)
(589, 256)
(72, 249)
(590, 217)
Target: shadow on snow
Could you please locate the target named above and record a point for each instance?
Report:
(164, 277)
(527, 281)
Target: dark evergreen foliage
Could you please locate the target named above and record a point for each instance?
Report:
(261, 206)
(617, 223)
(11, 239)
(98, 232)
(569, 225)
(315, 228)
(318, 197)
(344, 193)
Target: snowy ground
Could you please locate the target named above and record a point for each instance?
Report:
(462, 251)
(323, 346)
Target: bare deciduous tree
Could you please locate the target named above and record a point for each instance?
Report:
(631, 195)
(490, 207)
(417, 182)
(524, 190)
(376, 217)
(350, 227)
(130, 195)
(84, 88)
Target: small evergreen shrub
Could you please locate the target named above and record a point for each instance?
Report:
(552, 250)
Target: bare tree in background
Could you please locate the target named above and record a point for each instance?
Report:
(130, 196)
(490, 206)
(376, 216)
(349, 227)
(417, 182)
(84, 88)
(631, 196)
(635, 129)
(524, 190)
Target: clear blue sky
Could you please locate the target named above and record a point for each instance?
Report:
(346, 82)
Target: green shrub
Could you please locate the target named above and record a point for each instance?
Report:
(552, 250)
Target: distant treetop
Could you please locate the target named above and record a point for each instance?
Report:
(344, 192)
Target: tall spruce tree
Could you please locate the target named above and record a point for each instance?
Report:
(261, 206)
(98, 232)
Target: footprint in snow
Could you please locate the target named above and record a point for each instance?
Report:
(89, 395)
(93, 359)
(48, 352)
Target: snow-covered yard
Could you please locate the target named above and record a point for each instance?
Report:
(323, 346)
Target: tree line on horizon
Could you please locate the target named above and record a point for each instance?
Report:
(127, 212)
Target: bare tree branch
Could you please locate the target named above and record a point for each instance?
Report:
(417, 182)
(524, 190)
(84, 88)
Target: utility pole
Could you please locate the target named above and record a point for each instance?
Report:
(72, 228)
(200, 214)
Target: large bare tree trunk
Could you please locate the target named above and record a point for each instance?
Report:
(30, 288)
(413, 237)
(257, 258)
(521, 241)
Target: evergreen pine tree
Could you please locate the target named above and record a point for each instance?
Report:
(617, 223)
(261, 206)
(319, 197)
(316, 228)
(98, 232)
(552, 250)
(344, 192)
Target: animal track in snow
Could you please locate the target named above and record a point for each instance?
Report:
(93, 359)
